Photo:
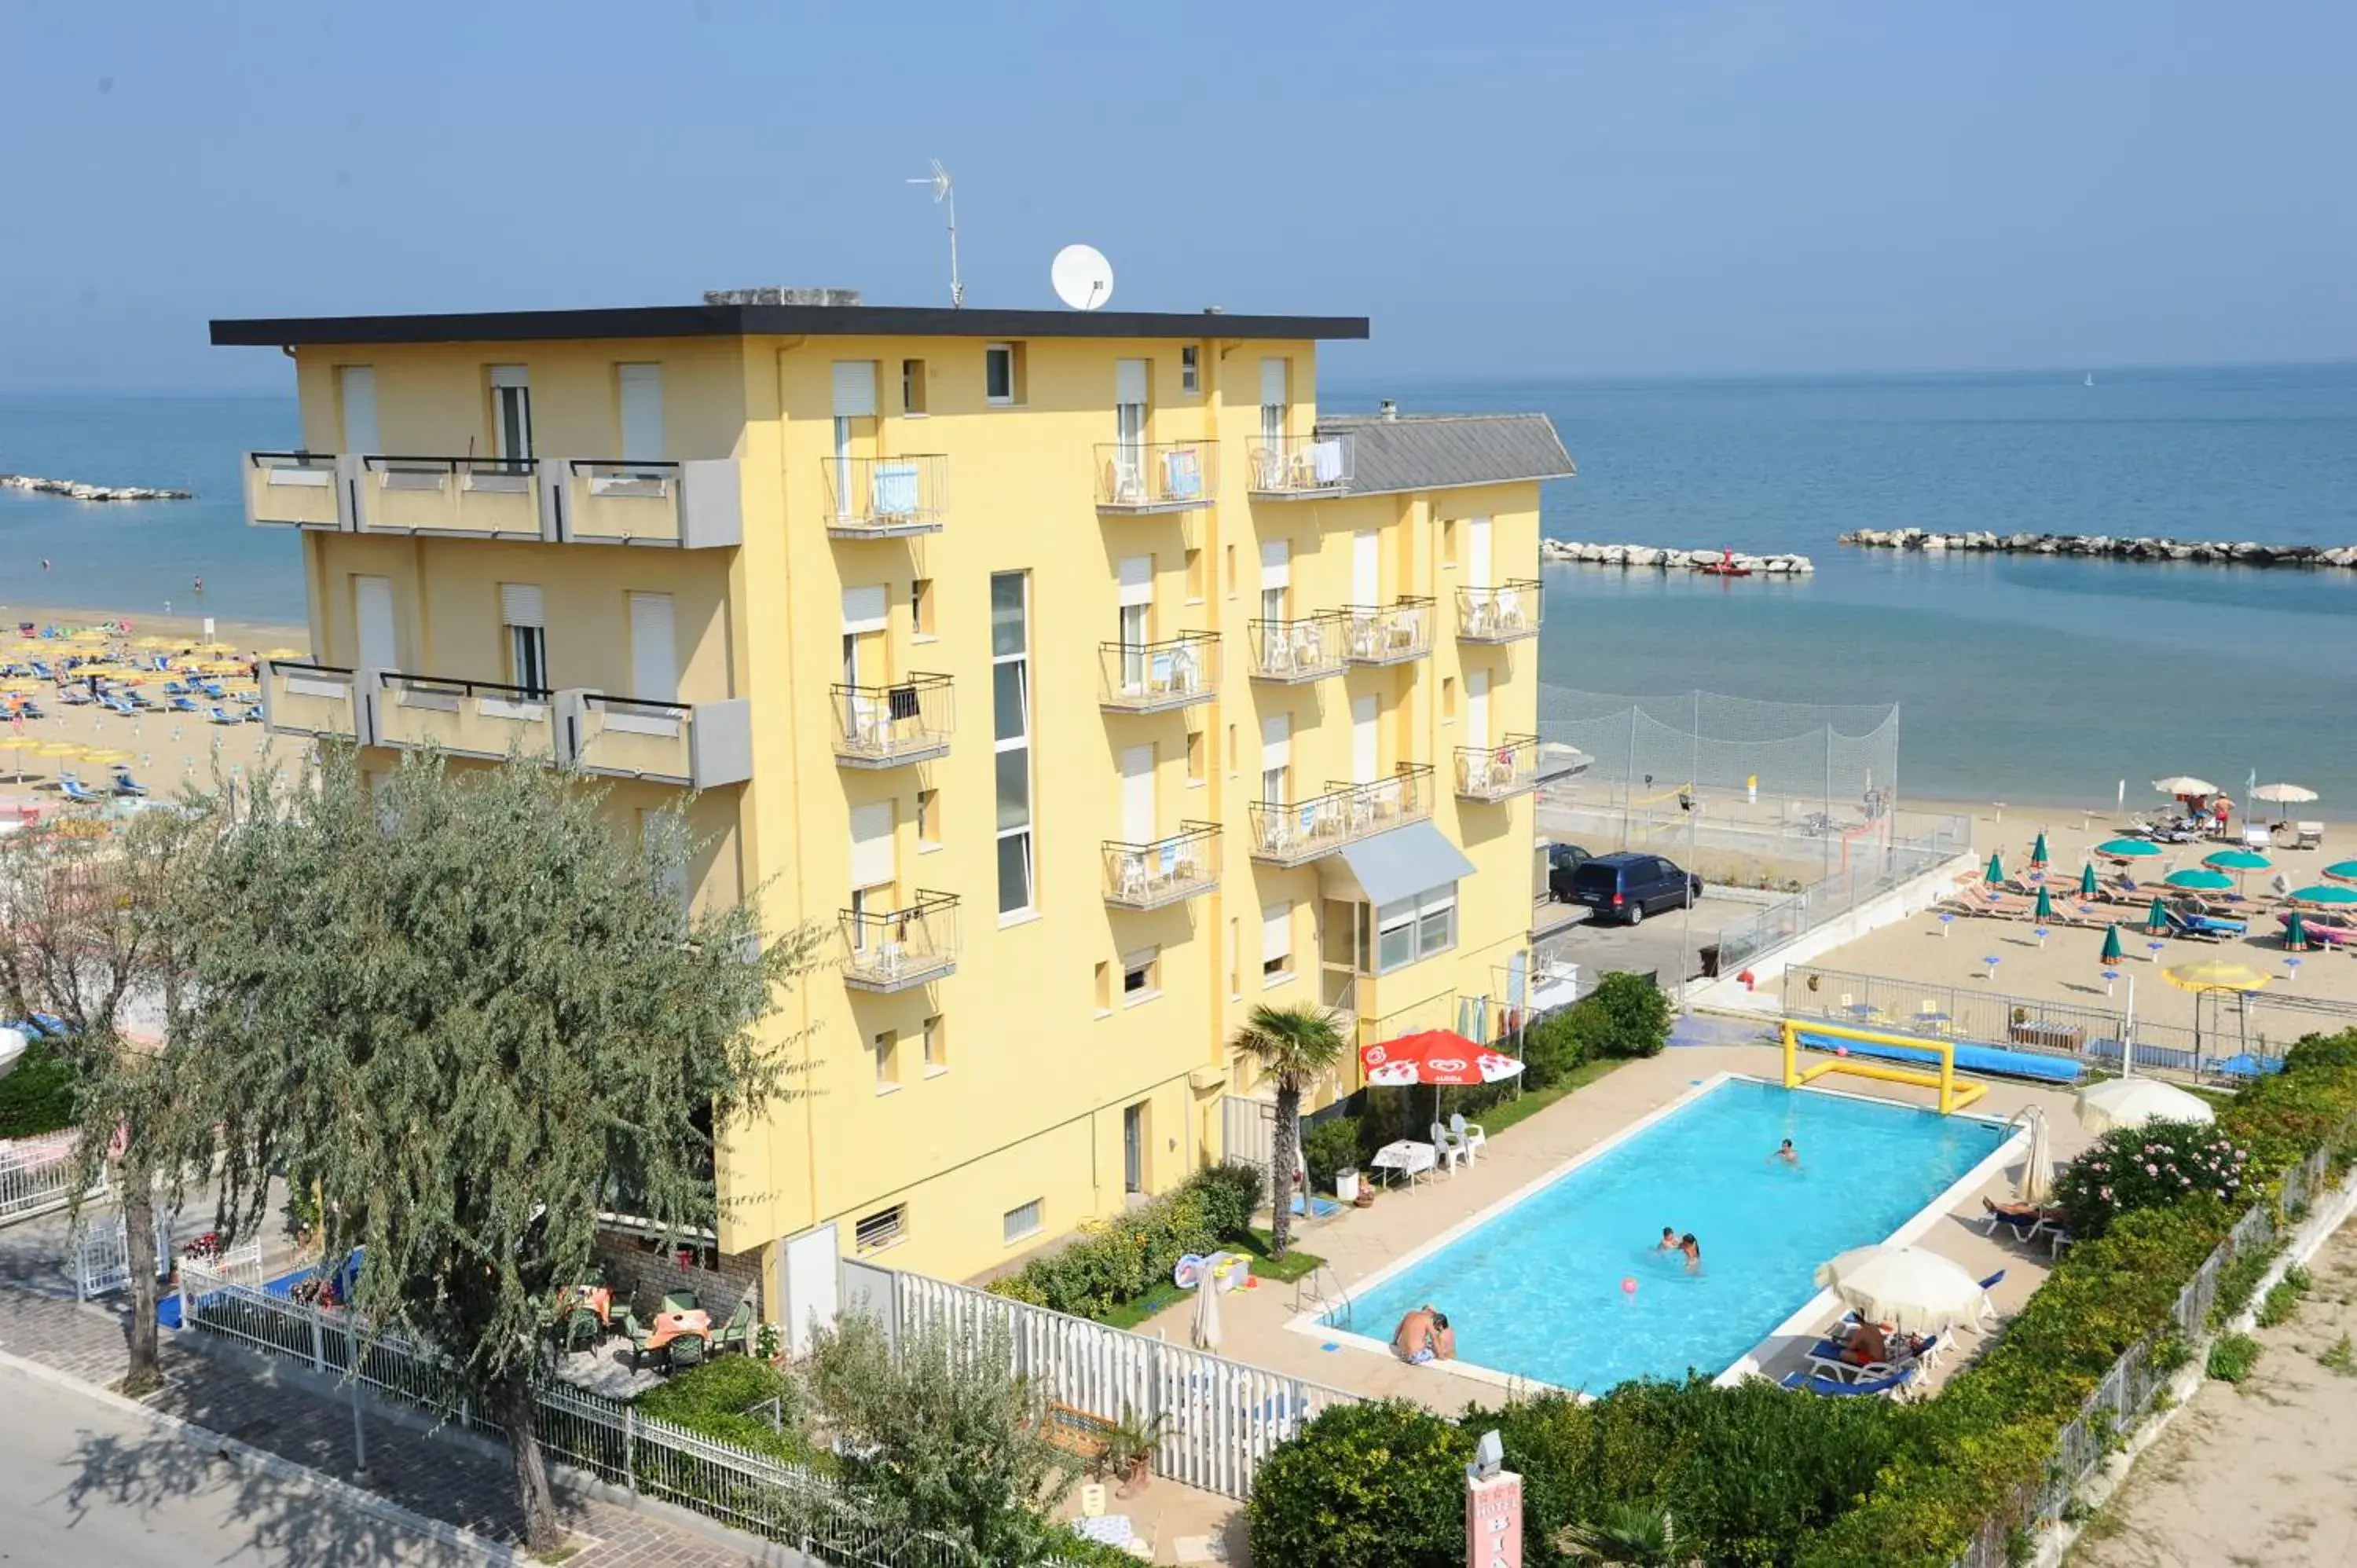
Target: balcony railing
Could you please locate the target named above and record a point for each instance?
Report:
(1390, 634)
(1292, 652)
(888, 726)
(698, 746)
(1300, 465)
(1507, 613)
(691, 505)
(894, 949)
(1161, 476)
(886, 497)
(464, 718)
(294, 490)
(1515, 766)
(460, 498)
(1156, 677)
(1298, 833)
(312, 700)
(1167, 871)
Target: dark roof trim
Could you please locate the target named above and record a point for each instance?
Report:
(780, 320)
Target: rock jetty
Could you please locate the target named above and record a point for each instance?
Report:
(1667, 560)
(74, 490)
(2107, 547)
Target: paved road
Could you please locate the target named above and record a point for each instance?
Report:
(84, 1482)
(1598, 948)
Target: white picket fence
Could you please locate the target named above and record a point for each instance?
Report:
(1219, 1418)
(37, 1174)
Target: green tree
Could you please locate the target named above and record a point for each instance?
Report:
(1296, 1047)
(469, 1015)
(1622, 1535)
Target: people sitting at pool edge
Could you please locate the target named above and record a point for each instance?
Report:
(1668, 1241)
(1789, 1154)
(1423, 1336)
(1693, 1249)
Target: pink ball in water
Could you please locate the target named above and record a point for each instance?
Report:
(1841, 1051)
(1628, 1283)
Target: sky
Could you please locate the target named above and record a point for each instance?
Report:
(1535, 189)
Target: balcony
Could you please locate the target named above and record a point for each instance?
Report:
(896, 950)
(886, 497)
(1507, 613)
(293, 490)
(1397, 633)
(1300, 466)
(696, 746)
(1158, 677)
(452, 498)
(695, 505)
(1292, 653)
(1143, 877)
(1162, 476)
(891, 727)
(462, 718)
(1295, 834)
(312, 700)
(1515, 766)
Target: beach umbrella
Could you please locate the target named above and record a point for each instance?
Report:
(2112, 953)
(2238, 860)
(106, 757)
(58, 748)
(2215, 974)
(2037, 856)
(2283, 794)
(231, 648)
(2200, 879)
(283, 653)
(2087, 889)
(2037, 1183)
(1438, 1056)
(1205, 1331)
(2342, 871)
(2296, 931)
(2156, 917)
(1996, 873)
(2133, 1102)
(2184, 784)
(1917, 1291)
(2128, 849)
(2326, 892)
(2044, 912)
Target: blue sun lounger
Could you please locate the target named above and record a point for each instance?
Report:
(1833, 1388)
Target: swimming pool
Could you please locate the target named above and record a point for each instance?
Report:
(1534, 1289)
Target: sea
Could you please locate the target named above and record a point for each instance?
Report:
(2030, 680)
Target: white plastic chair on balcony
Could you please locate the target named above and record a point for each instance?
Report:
(1449, 1146)
(1470, 1135)
(1129, 874)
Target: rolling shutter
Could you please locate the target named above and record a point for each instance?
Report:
(1276, 565)
(871, 846)
(1137, 794)
(1129, 381)
(1137, 580)
(855, 389)
(520, 604)
(1477, 707)
(863, 608)
(1276, 742)
(642, 412)
(655, 655)
(1275, 931)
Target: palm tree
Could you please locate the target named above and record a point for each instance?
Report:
(1296, 1046)
(1622, 1535)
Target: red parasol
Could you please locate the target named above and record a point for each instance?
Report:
(1438, 1056)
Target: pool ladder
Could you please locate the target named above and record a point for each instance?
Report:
(1328, 1299)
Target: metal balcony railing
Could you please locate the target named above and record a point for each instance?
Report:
(888, 726)
(468, 498)
(464, 718)
(1156, 677)
(1157, 476)
(1390, 634)
(1167, 871)
(1292, 652)
(894, 949)
(886, 497)
(293, 490)
(1515, 766)
(312, 700)
(1295, 833)
(1300, 465)
(1507, 613)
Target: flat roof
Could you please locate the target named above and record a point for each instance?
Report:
(772, 320)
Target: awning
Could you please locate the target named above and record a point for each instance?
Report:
(1399, 863)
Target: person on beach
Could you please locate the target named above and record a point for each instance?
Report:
(1423, 1336)
(1693, 1249)
(1787, 1154)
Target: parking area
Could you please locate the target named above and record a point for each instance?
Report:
(1657, 945)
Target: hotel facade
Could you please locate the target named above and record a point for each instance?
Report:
(1078, 678)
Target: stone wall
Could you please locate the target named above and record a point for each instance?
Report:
(644, 1276)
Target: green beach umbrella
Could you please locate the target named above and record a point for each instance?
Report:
(2037, 856)
(2326, 892)
(2044, 912)
(2112, 953)
(2342, 871)
(2200, 879)
(2156, 917)
(2128, 849)
(2296, 931)
(1996, 868)
(2087, 880)
(2238, 860)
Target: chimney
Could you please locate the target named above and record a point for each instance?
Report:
(1387, 409)
(840, 298)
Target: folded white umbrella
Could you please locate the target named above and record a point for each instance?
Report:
(1915, 1291)
(2185, 784)
(2133, 1102)
(2037, 1166)
(1206, 1333)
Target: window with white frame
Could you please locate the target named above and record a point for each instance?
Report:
(888, 1060)
(1191, 369)
(873, 1232)
(1141, 974)
(1407, 930)
(1002, 374)
(527, 627)
(1010, 677)
(1023, 1223)
(1277, 941)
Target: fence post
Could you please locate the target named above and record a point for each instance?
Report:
(629, 1447)
(318, 1344)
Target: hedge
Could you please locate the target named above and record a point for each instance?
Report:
(1118, 1259)
(37, 1095)
(716, 1400)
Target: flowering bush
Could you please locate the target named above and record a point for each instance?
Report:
(2158, 1164)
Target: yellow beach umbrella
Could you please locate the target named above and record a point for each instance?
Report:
(157, 643)
(2215, 974)
(106, 757)
(88, 634)
(223, 666)
(286, 653)
(25, 685)
(58, 748)
(217, 648)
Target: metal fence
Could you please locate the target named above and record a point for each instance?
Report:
(35, 1174)
(1868, 870)
(1220, 1419)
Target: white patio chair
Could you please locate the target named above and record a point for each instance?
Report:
(1449, 1146)
(1469, 1136)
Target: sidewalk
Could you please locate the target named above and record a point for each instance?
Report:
(442, 1478)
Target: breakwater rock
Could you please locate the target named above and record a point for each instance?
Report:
(1668, 560)
(74, 490)
(2106, 547)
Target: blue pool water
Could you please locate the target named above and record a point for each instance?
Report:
(1536, 1292)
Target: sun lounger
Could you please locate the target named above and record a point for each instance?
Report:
(182, 705)
(73, 790)
(219, 718)
(2022, 1220)
(127, 785)
(1833, 1388)
(1825, 1357)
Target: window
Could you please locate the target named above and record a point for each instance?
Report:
(1002, 374)
(1231, 751)
(1194, 576)
(639, 393)
(654, 649)
(888, 1060)
(1021, 1223)
(1141, 975)
(884, 1228)
(920, 609)
(526, 622)
(1235, 958)
(1276, 394)
(510, 412)
(1195, 759)
(1449, 544)
(1191, 369)
(1276, 758)
(1232, 571)
(1104, 987)
(913, 386)
(1129, 404)
(937, 1045)
(929, 819)
(1276, 942)
(1449, 699)
(664, 840)
(1010, 642)
(1416, 928)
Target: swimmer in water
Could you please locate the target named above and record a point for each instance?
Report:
(1668, 1241)
(1787, 1154)
(1693, 1249)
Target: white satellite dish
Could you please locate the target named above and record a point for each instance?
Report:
(1083, 278)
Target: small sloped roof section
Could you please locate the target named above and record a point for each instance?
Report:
(1448, 451)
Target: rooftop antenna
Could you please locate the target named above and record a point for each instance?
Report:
(943, 192)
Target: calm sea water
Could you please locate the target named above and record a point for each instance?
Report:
(1538, 1291)
(2023, 679)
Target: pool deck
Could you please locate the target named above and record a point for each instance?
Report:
(1356, 1243)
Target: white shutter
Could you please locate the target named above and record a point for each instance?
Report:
(1137, 579)
(1477, 707)
(1274, 374)
(1363, 739)
(1129, 381)
(1276, 742)
(511, 376)
(871, 845)
(1276, 564)
(863, 609)
(372, 610)
(1366, 568)
(642, 412)
(520, 604)
(655, 655)
(1476, 553)
(1275, 931)
(855, 389)
(357, 383)
(1137, 794)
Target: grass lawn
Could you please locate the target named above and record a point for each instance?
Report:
(1498, 1118)
(1255, 1245)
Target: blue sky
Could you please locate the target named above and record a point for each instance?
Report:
(1540, 188)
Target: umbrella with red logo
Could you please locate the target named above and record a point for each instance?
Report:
(1436, 1056)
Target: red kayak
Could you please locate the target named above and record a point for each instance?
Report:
(1724, 566)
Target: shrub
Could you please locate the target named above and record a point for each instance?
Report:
(1327, 1146)
(2282, 1297)
(2130, 1169)
(1552, 1046)
(2231, 1357)
(1118, 1259)
(39, 1095)
(1626, 1016)
(1365, 1486)
(717, 1400)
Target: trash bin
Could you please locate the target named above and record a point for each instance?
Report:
(1710, 960)
(1345, 1185)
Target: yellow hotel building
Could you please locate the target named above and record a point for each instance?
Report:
(1071, 671)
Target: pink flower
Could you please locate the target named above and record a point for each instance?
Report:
(2151, 1170)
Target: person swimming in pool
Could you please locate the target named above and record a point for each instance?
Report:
(1787, 1154)
(1668, 1241)
(1692, 1251)
(1423, 1336)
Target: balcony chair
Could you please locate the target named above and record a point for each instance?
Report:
(737, 1334)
